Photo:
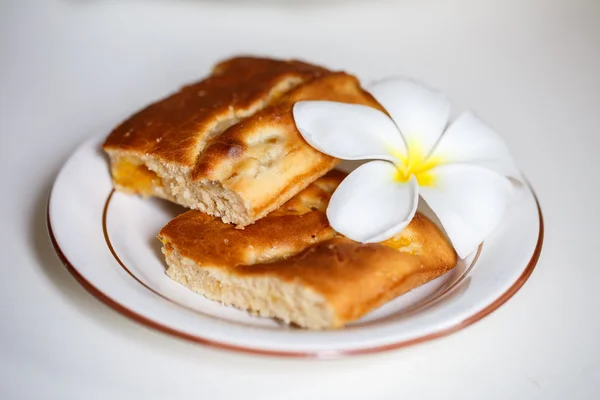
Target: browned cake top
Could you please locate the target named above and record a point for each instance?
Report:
(295, 226)
(264, 156)
(176, 128)
(270, 134)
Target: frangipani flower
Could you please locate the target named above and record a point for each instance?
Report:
(461, 171)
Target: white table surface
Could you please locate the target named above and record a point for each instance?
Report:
(531, 68)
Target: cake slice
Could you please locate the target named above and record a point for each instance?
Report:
(228, 145)
(292, 266)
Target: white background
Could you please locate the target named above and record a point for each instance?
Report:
(530, 68)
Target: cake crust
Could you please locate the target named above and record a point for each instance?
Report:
(228, 145)
(176, 128)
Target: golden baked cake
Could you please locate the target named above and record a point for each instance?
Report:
(291, 265)
(228, 145)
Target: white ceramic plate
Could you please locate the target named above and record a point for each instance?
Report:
(107, 241)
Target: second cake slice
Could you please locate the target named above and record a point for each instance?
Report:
(292, 265)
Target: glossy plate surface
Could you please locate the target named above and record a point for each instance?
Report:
(108, 242)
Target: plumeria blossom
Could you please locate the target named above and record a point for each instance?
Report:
(461, 170)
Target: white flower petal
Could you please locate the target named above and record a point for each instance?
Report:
(470, 140)
(349, 131)
(420, 112)
(469, 201)
(371, 205)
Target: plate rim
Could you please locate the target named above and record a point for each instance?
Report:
(315, 354)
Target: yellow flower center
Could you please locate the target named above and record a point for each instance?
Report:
(418, 164)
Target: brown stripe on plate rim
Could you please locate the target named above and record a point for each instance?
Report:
(503, 298)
